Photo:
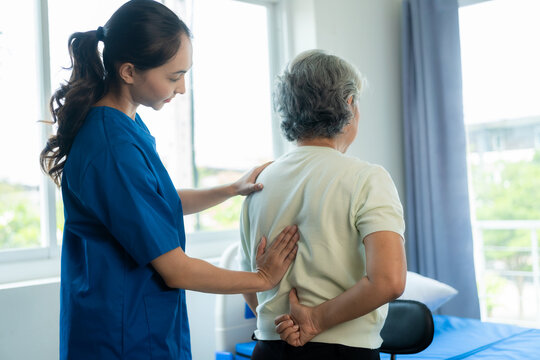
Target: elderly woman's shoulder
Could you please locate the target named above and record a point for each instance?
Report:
(359, 163)
(365, 168)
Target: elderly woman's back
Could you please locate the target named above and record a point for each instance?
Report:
(336, 201)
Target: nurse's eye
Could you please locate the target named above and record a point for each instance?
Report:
(176, 78)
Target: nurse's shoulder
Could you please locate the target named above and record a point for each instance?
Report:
(98, 140)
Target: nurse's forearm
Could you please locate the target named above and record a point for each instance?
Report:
(181, 271)
(196, 200)
(205, 277)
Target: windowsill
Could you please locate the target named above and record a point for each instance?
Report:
(28, 283)
(207, 245)
(29, 270)
(210, 244)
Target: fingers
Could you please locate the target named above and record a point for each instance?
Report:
(254, 174)
(285, 327)
(292, 247)
(285, 237)
(259, 170)
(250, 188)
(257, 187)
(291, 256)
(254, 188)
(261, 247)
(294, 339)
(289, 332)
(281, 318)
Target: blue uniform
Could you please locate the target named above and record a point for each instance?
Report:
(121, 211)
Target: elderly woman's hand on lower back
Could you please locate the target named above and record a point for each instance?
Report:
(300, 325)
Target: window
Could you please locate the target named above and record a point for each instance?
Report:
(231, 105)
(221, 128)
(501, 88)
(227, 126)
(21, 197)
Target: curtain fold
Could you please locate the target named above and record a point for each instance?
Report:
(439, 234)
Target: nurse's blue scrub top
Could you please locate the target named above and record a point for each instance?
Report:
(121, 212)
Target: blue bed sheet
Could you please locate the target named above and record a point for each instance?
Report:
(460, 338)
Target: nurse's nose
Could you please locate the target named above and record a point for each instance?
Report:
(181, 87)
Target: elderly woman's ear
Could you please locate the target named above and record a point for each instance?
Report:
(352, 105)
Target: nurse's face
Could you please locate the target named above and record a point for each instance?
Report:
(156, 87)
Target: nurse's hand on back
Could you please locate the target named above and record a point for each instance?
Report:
(123, 262)
(180, 271)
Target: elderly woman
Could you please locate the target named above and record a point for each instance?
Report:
(332, 303)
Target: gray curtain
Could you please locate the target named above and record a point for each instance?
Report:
(439, 235)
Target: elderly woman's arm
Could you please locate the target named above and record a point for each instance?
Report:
(385, 281)
(252, 301)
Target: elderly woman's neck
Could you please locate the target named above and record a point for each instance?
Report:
(334, 143)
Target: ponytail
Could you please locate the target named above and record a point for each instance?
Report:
(144, 33)
(70, 104)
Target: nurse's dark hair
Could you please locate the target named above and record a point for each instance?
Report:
(144, 33)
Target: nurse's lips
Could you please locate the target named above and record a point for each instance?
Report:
(168, 100)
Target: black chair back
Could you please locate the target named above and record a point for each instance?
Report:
(408, 328)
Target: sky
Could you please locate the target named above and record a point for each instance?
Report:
(500, 49)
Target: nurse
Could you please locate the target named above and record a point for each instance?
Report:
(123, 264)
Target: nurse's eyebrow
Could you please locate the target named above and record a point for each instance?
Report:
(182, 71)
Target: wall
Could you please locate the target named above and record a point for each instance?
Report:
(369, 36)
(29, 321)
(367, 33)
(29, 328)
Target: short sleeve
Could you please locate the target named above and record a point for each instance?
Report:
(122, 192)
(378, 205)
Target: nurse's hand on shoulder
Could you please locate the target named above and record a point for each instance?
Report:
(273, 262)
(299, 326)
(246, 184)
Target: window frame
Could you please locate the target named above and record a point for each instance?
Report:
(47, 188)
(44, 262)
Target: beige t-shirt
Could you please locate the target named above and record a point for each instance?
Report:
(336, 200)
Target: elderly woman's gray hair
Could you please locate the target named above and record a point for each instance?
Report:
(312, 93)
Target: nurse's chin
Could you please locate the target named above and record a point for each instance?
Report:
(157, 106)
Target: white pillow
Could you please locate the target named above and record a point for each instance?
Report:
(431, 292)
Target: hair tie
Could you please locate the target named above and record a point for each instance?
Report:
(100, 33)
